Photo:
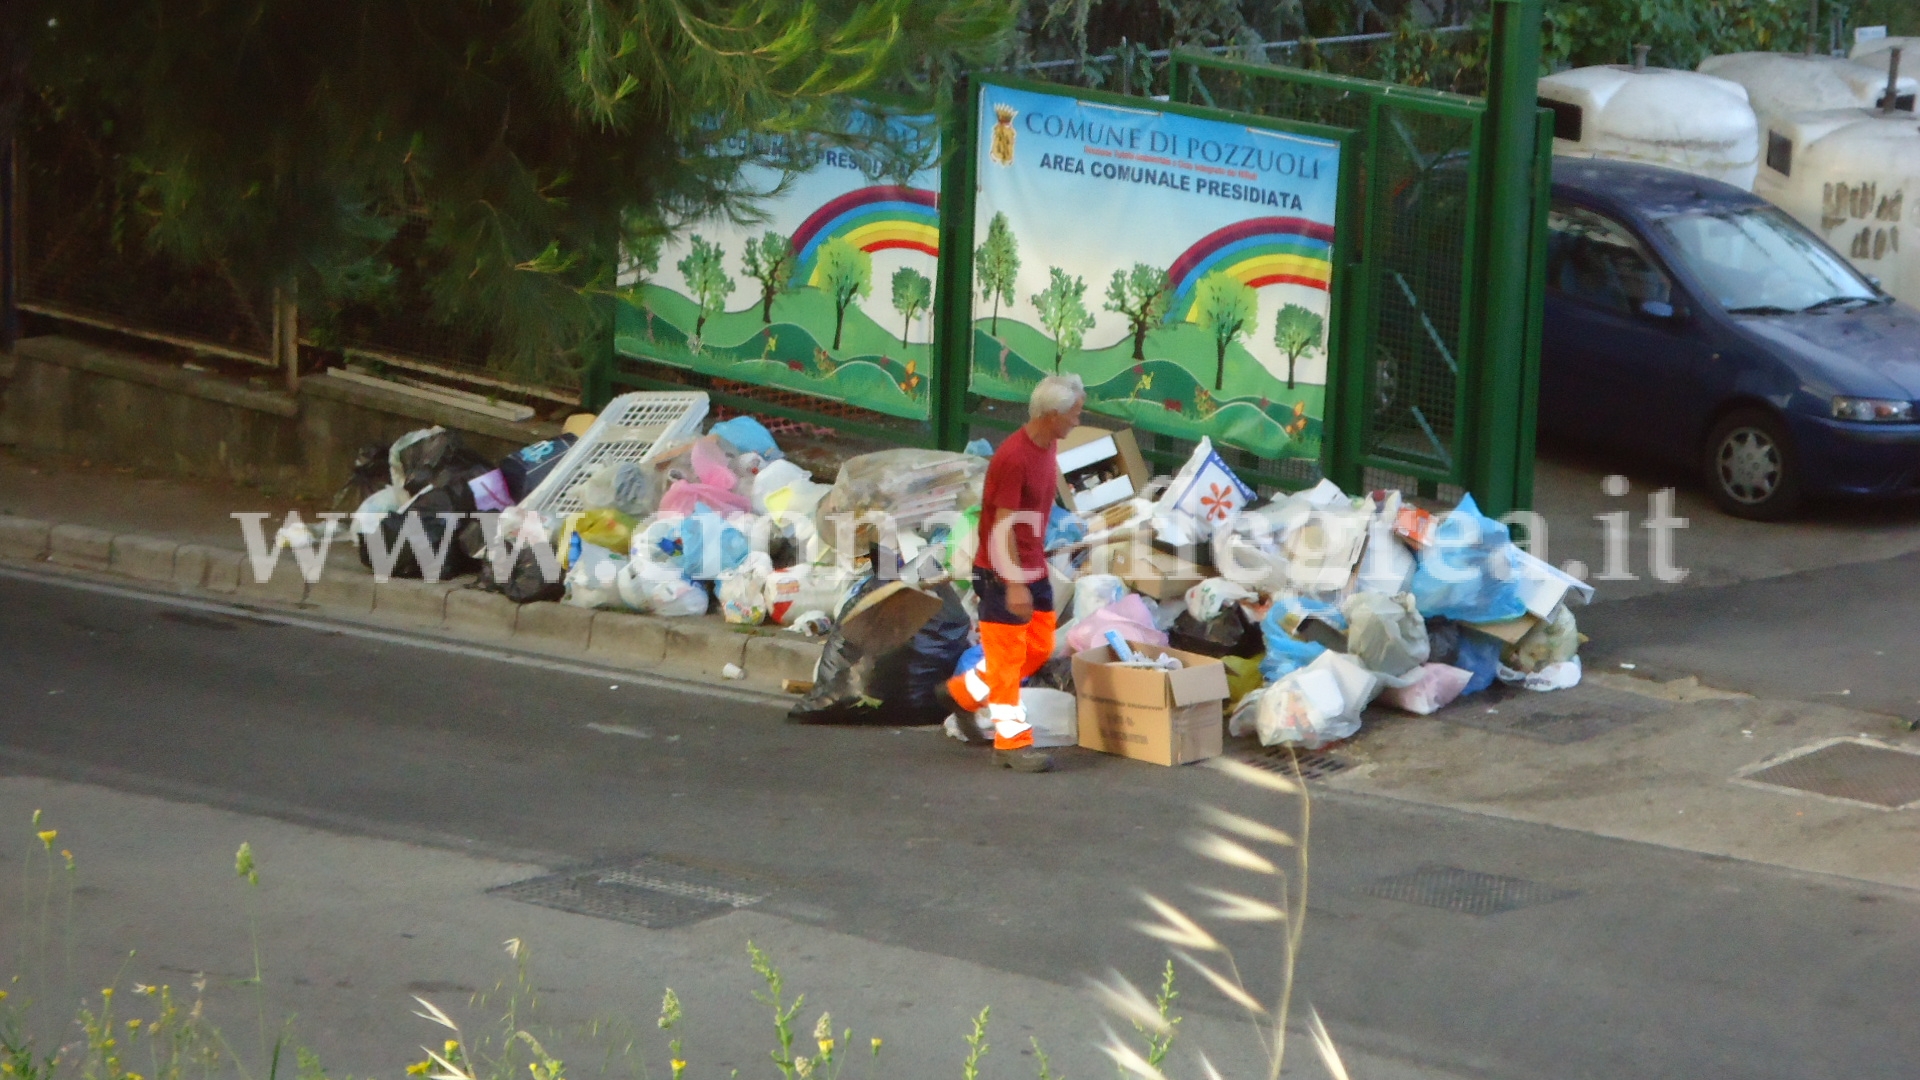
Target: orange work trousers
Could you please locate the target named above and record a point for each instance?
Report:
(1012, 651)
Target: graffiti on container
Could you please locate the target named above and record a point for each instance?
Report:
(1842, 203)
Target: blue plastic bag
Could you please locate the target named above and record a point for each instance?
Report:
(1064, 527)
(1479, 654)
(980, 448)
(1285, 653)
(968, 659)
(1307, 607)
(747, 435)
(710, 547)
(1466, 573)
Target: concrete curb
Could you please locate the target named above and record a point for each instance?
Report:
(697, 648)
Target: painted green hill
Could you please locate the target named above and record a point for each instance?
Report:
(806, 307)
(1181, 343)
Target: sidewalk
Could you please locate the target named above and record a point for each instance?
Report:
(180, 536)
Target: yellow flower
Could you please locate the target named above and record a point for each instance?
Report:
(106, 992)
(679, 1066)
(46, 837)
(452, 1047)
(876, 1044)
(133, 1025)
(419, 1068)
(826, 1046)
(3, 995)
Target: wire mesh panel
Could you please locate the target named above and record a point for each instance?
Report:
(1422, 260)
(1416, 156)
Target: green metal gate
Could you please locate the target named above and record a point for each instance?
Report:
(1436, 390)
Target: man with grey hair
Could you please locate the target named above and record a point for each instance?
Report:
(1010, 573)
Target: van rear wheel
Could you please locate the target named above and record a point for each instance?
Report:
(1751, 466)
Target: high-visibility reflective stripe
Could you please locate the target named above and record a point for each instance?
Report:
(976, 685)
(1011, 729)
(1009, 721)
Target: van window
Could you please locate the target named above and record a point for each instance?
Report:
(1594, 259)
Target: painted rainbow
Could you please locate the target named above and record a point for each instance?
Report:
(871, 219)
(1256, 252)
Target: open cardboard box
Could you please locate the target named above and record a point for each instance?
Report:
(1099, 468)
(1150, 570)
(1165, 717)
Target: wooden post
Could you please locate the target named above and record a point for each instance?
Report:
(286, 334)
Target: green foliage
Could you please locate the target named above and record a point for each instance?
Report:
(912, 294)
(1063, 311)
(705, 271)
(977, 1046)
(769, 260)
(1141, 295)
(996, 262)
(291, 143)
(1228, 309)
(845, 272)
(1297, 332)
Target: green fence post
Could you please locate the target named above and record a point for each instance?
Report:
(953, 299)
(1502, 386)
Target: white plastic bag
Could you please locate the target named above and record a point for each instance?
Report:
(743, 590)
(1386, 566)
(1316, 705)
(593, 579)
(660, 589)
(1564, 675)
(1053, 714)
(807, 587)
(1091, 592)
(1207, 600)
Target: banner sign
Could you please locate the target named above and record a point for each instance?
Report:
(830, 293)
(1181, 266)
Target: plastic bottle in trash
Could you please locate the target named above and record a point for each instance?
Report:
(1121, 650)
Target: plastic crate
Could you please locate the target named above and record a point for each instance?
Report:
(630, 428)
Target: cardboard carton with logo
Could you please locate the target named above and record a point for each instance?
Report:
(1151, 714)
(1099, 469)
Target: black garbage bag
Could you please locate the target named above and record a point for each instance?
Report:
(870, 667)
(932, 653)
(371, 472)
(1229, 633)
(526, 580)
(430, 509)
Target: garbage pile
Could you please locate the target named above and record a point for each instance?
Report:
(1313, 605)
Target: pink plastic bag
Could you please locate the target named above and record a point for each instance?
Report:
(684, 495)
(711, 467)
(1433, 688)
(1130, 615)
(490, 491)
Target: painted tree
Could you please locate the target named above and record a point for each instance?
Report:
(1141, 296)
(1063, 311)
(845, 272)
(995, 265)
(1228, 310)
(705, 271)
(769, 261)
(912, 294)
(1297, 332)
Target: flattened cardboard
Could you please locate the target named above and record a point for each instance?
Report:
(1152, 572)
(1507, 630)
(1164, 717)
(1099, 468)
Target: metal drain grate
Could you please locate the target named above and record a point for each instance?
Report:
(1851, 770)
(649, 891)
(1314, 764)
(1467, 891)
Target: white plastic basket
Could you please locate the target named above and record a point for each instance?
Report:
(630, 428)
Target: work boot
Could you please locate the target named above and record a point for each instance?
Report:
(1025, 759)
(969, 728)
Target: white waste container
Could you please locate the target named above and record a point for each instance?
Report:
(1681, 119)
(1780, 85)
(1853, 176)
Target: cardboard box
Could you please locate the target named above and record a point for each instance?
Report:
(1165, 717)
(1148, 570)
(1099, 468)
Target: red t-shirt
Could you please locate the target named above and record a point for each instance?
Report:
(1021, 476)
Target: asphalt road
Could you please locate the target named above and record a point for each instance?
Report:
(1656, 963)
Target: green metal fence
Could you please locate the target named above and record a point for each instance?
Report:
(1422, 402)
